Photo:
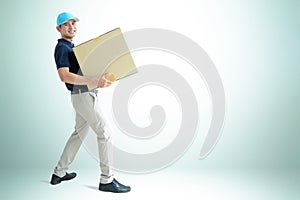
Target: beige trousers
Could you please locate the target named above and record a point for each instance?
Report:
(88, 114)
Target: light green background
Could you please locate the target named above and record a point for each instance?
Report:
(254, 44)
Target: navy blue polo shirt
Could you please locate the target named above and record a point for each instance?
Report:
(65, 57)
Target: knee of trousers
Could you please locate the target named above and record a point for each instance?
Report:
(102, 132)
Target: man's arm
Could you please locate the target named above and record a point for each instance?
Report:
(71, 78)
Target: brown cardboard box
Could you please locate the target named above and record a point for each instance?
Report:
(106, 53)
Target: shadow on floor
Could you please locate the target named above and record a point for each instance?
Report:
(92, 187)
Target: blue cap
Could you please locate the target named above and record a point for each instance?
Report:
(64, 17)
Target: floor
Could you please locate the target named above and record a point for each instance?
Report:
(208, 184)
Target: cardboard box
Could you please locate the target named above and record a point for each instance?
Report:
(106, 53)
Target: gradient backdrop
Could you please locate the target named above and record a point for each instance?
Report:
(255, 46)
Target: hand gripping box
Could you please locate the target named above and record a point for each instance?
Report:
(106, 53)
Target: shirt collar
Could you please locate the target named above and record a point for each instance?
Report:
(66, 42)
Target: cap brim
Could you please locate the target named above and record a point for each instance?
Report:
(74, 18)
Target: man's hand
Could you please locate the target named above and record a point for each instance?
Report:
(106, 80)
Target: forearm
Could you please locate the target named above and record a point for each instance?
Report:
(71, 78)
(78, 80)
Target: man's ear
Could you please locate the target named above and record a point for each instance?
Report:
(58, 28)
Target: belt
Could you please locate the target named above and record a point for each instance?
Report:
(83, 91)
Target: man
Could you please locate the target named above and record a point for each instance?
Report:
(86, 105)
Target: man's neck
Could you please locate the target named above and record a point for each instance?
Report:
(68, 39)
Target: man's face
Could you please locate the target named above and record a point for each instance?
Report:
(68, 29)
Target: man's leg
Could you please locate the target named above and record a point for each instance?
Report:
(104, 145)
(72, 146)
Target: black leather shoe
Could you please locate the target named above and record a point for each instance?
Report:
(56, 179)
(114, 187)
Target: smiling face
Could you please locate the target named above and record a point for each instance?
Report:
(68, 30)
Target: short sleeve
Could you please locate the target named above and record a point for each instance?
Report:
(61, 56)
